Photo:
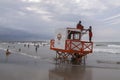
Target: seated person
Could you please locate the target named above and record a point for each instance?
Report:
(79, 26)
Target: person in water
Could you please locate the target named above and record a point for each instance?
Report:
(8, 52)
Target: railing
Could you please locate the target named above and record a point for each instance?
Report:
(75, 46)
(79, 46)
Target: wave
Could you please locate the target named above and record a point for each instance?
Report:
(35, 44)
(115, 46)
(108, 44)
(31, 56)
(100, 45)
(3, 49)
(107, 50)
(35, 57)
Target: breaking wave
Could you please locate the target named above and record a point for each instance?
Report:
(115, 46)
(107, 50)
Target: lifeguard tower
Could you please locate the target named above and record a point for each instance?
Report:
(70, 46)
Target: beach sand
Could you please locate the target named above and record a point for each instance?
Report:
(23, 67)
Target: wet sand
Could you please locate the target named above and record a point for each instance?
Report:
(27, 72)
(22, 67)
(21, 72)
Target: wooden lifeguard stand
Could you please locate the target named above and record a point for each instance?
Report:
(69, 45)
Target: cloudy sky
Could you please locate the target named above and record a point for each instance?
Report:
(37, 19)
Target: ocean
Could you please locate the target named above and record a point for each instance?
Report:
(103, 52)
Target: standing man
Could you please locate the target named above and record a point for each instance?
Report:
(90, 33)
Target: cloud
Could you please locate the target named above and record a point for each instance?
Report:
(44, 16)
(106, 34)
(33, 1)
(113, 3)
(10, 34)
(112, 17)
